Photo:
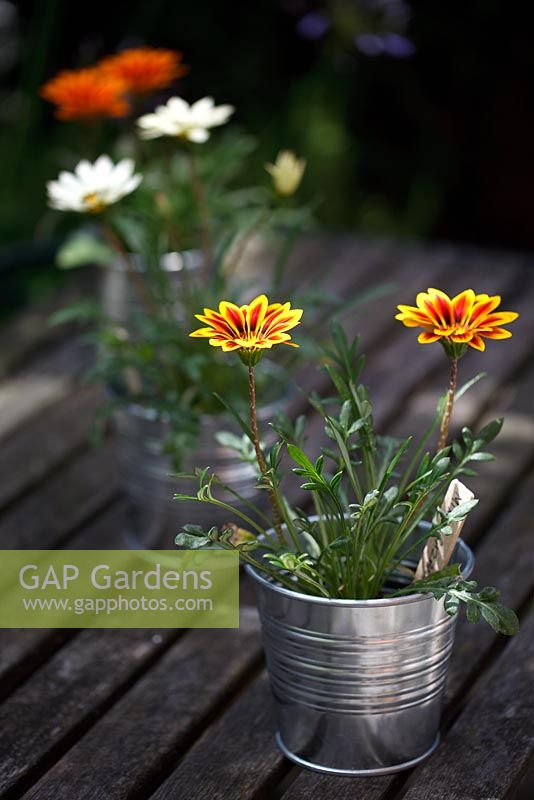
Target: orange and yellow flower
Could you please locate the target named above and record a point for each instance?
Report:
(249, 329)
(144, 69)
(457, 322)
(86, 94)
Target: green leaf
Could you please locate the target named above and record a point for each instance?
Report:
(236, 415)
(467, 436)
(337, 544)
(83, 248)
(463, 389)
(311, 545)
(230, 440)
(192, 541)
(481, 457)
(299, 457)
(339, 337)
(448, 572)
(457, 450)
(473, 613)
(335, 481)
(508, 623)
(461, 510)
(490, 431)
(344, 415)
(84, 312)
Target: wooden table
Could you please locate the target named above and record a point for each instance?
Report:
(167, 714)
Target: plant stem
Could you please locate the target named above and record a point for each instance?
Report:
(445, 422)
(133, 275)
(259, 455)
(202, 206)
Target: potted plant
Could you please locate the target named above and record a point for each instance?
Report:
(358, 595)
(175, 231)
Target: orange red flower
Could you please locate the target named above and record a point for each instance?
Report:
(144, 69)
(86, 94)
(464, 320)
(249, 329)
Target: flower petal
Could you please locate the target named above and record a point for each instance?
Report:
(427, 337)
(477, 342)
(497, 333)
(462, 305)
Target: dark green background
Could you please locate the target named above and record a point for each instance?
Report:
(435, 145)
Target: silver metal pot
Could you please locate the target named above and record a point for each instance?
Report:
(357, 684)
(120, 299)
(145, 470)
(146, 475)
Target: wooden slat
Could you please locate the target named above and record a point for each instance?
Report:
(238, 757)
(373, 320)
(132, 748)
(27, 457)
(327, 787)
(31, 330)
(497, 481)
(62, 502)
(64, 697)
(487, 750)
(23, 651)
(40, 384)
(505, 560)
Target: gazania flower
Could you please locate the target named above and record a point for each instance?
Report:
(86, 94)
(144, 69)
(189, 122)
(249, 329)
(93, 187)
(457, 322)
(286, 172)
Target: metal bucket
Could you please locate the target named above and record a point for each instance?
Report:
(146, 475)
(153, 518)
(357, 684)
(120, 299)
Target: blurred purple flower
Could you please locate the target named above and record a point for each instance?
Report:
(397, 45)
(313, 25)
(378, 26)
(390, 44)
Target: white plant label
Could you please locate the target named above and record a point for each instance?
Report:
(438, 551)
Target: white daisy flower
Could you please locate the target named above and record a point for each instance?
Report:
(93, 187)
(190, 122)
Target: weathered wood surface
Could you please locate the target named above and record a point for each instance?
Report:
(197, 675)
(167, 714)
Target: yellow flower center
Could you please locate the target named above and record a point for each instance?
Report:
(94, 202)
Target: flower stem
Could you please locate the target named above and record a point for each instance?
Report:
(446, 419)
(259, 455)
(133, 275)
(203, 213)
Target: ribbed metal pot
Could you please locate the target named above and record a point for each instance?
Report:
(147, 480)
(153, 518)
(120, 299)
(357, 684)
